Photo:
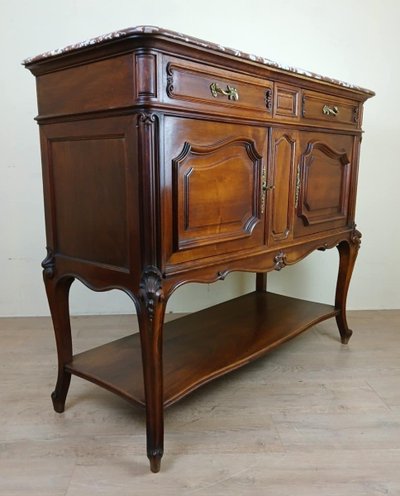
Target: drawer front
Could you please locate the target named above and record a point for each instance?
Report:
(327, 108)
(212, 193)
(195, 85)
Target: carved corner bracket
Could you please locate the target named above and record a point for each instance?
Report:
(280, 260)
(146, 119)
(49, 264)
(355, 237)
(150, 289)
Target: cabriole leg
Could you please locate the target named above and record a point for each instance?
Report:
(151, 318)
(57, 295)
(348, 251)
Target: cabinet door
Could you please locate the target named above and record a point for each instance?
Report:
(212, 197)
(280, 184)
(323, 182)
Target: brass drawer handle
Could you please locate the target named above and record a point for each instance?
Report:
(230, 92)
(332, 111)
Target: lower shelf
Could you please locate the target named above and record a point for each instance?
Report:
(202, 346)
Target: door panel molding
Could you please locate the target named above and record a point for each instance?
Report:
(323, 184)
(210, 205)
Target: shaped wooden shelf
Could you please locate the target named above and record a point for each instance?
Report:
(202, 346)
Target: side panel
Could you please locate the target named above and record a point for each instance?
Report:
(91, 190)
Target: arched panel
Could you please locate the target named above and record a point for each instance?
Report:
(323, 182)
(213, 194)
(217, 192)
(283, 156)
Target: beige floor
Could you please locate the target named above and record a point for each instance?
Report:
(312, 418)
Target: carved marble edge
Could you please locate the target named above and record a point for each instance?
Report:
(155, 30)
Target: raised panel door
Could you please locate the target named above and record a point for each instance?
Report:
(213, 199)
(280, 184)
(323, 182)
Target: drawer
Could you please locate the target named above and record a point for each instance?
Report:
(195, 85)
(328, 108)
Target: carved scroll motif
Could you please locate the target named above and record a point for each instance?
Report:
(170, 80)
(356, 237)
(268, 99)
(49, 264)
(150, 289)
(146, 119)
(280, 260)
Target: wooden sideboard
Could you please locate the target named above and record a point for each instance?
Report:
(169, 160)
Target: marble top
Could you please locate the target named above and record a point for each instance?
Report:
(154, 30)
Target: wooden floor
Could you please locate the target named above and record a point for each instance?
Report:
(312, 418)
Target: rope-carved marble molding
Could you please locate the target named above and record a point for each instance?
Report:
(138, 31)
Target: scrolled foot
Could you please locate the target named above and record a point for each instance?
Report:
(346, 337)
(345, 332)
(59, 395)
(58, 403)
(155, 460)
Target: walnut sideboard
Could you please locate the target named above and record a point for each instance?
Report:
(169, 160)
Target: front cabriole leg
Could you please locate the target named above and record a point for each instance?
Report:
(151, 311)
(58, 295)
(348, 250)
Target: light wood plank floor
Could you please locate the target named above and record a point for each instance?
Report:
(312, 418)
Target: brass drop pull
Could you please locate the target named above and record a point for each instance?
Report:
(264, 188)
(298, 186)
(267, 187)
(327, 110)
(230, 92)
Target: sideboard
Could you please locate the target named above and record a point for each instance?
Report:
(169, 160)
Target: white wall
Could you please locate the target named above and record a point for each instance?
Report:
(353, 40)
